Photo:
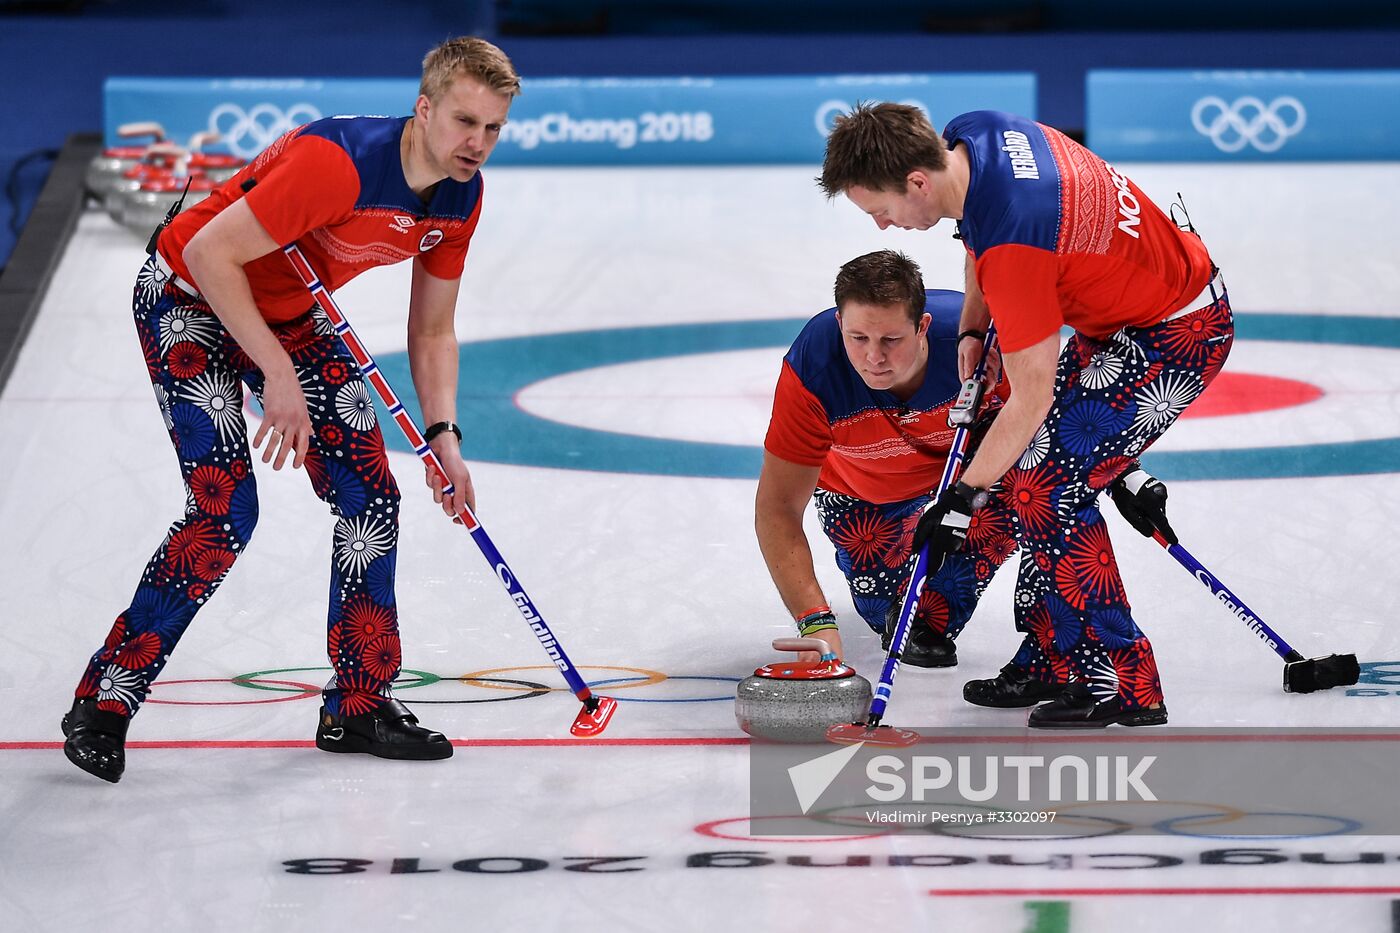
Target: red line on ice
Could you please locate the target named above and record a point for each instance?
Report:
(460, 743)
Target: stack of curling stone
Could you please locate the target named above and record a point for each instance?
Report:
(146, 207)
(141, 195)
(158, 161)
(108, 166)
(218, 167)
(798, 702)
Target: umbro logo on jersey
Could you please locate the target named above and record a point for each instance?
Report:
(430, 239)
(402, 223)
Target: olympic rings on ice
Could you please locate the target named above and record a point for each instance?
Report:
(508, 688)
(1114, 819)
(1343, 826)
(712, 829)
(729, 695)
(1097, 827)
(648, 678)
(300, 692)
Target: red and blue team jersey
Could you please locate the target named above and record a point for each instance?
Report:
(869, 443)
(336, 188)
(1058, 236)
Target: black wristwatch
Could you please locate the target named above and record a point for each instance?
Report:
(435, 429)
(972, 495)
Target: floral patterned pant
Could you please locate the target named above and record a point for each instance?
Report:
(873, 544)
(197, 370)
(1113, 398)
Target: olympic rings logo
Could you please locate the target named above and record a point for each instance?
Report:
(1248, 121)
(829, 110)
(248, 132)
(1380, 672)
(505, 687)
(1089, 820)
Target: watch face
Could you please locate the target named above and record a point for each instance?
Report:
(975, 497)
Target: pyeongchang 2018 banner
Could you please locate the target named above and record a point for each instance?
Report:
(1237, 116)
(575, 121)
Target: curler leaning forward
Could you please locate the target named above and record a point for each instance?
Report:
(597, 710)
(872, 730)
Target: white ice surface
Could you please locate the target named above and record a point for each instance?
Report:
(646, 572)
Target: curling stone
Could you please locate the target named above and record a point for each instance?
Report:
(798, 702)
(219, 167)
(146, 208)
(107, 167)
(159, 161)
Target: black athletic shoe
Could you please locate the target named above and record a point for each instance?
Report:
(1010, 689)
(1076, 708)
(924, 647)
(95, 740)
(390, 731)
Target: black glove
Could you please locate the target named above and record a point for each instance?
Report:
(1142, 499)
(943, 526)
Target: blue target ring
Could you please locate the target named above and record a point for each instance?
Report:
(494, 372)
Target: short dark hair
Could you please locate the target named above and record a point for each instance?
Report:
(876, 146)
(884, 277)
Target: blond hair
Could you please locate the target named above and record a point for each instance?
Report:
(470, 57)
(876, 146)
